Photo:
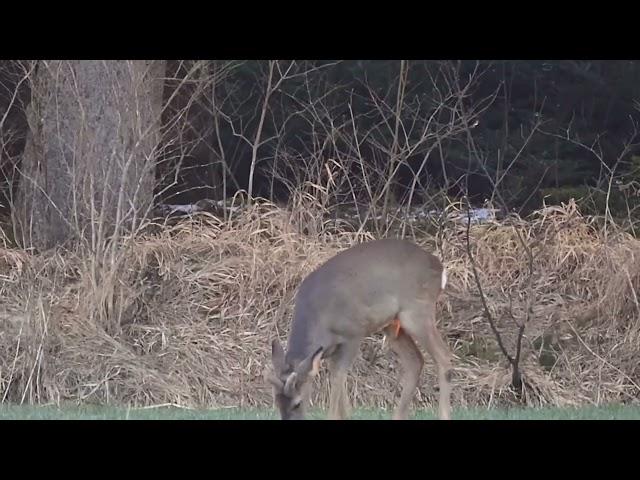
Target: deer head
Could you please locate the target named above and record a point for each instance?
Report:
(291, 383)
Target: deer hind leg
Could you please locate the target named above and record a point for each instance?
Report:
(427, 335)
(339, 364)
(411, 362)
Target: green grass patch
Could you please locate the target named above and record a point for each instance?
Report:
(14, 412)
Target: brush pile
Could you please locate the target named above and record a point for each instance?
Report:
(184, 314)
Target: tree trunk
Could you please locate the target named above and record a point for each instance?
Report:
(88, 165)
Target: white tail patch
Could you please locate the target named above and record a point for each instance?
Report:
(444, 278)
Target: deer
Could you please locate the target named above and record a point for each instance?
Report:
(386, 285)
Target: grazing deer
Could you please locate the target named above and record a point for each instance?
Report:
(389, 285)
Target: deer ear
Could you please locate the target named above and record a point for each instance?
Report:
(271, 378)
(310, 366)
(290, 384)
(277, 355)
(316, 361)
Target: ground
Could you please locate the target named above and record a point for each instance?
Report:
(612, 412)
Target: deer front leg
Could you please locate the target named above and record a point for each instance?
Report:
(338, 402)
(339, 365)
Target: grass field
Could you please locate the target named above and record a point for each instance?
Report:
(613, 412)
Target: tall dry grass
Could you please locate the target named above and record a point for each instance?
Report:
(184, 314)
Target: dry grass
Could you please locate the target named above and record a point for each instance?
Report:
(185, 315)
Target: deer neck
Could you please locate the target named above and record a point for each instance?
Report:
(303, 339)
